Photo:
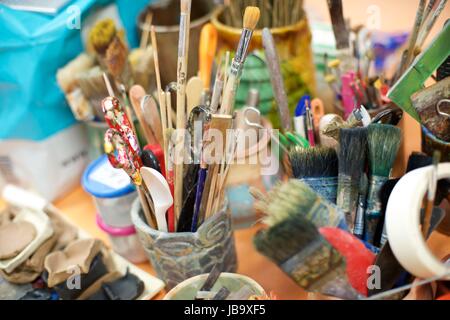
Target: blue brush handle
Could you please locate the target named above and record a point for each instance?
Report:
(198, 197)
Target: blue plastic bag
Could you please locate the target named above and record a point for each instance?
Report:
(32, 47)
(41, 145)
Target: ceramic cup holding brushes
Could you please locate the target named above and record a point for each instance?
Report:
(179, 256)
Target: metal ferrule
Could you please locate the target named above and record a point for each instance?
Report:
(241, 52)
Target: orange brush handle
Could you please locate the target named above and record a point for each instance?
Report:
(207, 51)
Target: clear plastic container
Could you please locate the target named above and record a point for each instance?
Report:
(112, 192)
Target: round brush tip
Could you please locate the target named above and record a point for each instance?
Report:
(251, 17)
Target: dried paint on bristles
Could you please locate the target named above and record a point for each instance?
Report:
(251, 17)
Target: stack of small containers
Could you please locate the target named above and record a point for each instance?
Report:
(113, 196)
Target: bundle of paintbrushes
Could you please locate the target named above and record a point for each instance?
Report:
(297, 218)
(185, 185)
(274, 13)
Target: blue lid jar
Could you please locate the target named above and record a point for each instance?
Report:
(102, 180)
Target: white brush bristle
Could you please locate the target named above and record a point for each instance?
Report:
(251, 17)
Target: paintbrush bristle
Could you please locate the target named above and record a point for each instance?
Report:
(251, 17)
(383, 143)
(313, 162)
(285, 239)
(352, 151)
(295, 198)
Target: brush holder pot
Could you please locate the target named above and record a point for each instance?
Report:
(182, 255)
(430, 143)
(293, 44)
(166, 16)
(188, 289)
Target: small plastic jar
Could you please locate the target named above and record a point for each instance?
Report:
(112, 192)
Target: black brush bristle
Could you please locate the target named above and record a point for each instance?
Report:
(313, 162)
(352, 151)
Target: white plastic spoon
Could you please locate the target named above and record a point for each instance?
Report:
(160, 193)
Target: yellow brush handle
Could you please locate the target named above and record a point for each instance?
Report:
(207, 51)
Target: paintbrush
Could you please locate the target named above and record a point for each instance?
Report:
(160, 95)
(276, 78)
(93, 88)
(352, 159)
(296, 197)
(217, 91)
(383, 144)
(357, 256)
(220, 124)
(318, 167)
(358, 230)
(183, 47)
(111, 51)
(341, 33)
(296, 246)
(251, 18)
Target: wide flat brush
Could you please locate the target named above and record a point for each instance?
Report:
(296, 246)
(137, 93)
(352, 158)
(383, 144)
(318, 167)
(295, 197)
